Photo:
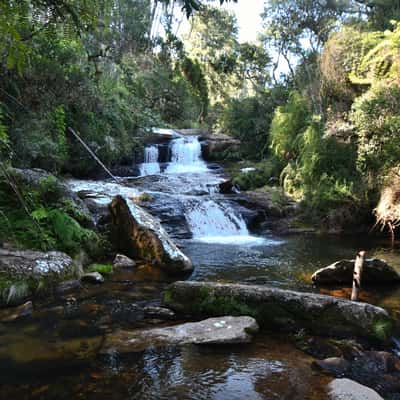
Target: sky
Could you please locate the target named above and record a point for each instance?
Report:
(248, 16)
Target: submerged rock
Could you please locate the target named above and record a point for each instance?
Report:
(281, 309)
(223, 330)
(140, 235)
(159, 312)
(69, 286)
(121, 261)
(92, 277)
(22, 311)
(336, 366)
(26, 273)
(346, 389)
(375, 272)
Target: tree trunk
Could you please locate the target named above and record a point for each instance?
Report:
(357, 274)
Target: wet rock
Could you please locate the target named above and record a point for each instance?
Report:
(284, 310)
(24, 310)
(92, 277)
(319, 347)
(346, 389)
(336, 366)
(159, 312)
(375, 272)
(271, 201)
(227, 187)
(139, 235)
(121, 261)
(223, 330)
(67, 287)
(26, 273)
(214, 145)
(377, 369)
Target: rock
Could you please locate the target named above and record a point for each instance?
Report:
(92, 277)
(121, 261)
(336, 366)
(159, 312)
(375, 272)
(139, 235)
(227, 187)
(68, 287)
(216, 143)
(377, 369)
(223, 330)
(24, 310)
(24, 274)
(346, 389)
(281, 309)
(319, 347)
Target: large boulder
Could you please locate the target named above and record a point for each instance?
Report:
(346, 389)
(281, 309)
(375, 272)
(139, 235)
(24, 274)
(224, 330)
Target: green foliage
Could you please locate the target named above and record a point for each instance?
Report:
(258, 178)
(288, 123)
(376, 115)
(4, 140)
(42, 221)
(248, 119)
(104, 269)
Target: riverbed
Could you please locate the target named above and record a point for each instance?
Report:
(54, 354)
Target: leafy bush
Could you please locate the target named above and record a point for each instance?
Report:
(289, 121)
(376, 115)
(260, 177)
(37, 217)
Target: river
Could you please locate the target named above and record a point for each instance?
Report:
(54, 354)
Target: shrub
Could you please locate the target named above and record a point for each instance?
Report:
(376, 115)
(288, 123)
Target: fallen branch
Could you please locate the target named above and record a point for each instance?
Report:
(357, 275)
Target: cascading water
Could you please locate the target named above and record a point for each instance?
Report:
(150, 165)
(216, 223)
(186, 156)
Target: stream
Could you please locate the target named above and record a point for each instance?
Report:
(54, 353)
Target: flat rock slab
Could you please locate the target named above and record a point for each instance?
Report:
(223, 330)
(375, 272)
(346, 389)
(284, 310)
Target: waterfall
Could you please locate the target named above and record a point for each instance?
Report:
(150, 165)
(216, 223)
(186, 156)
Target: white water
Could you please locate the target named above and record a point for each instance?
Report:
(186, 156)
(217, 223)
(150, 165)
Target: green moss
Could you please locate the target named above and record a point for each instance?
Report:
(382, 329)
(168, 297)
(101, 268)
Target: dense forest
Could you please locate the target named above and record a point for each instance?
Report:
(314, 102)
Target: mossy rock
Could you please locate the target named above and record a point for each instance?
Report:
(26, 274)
(282, 310)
